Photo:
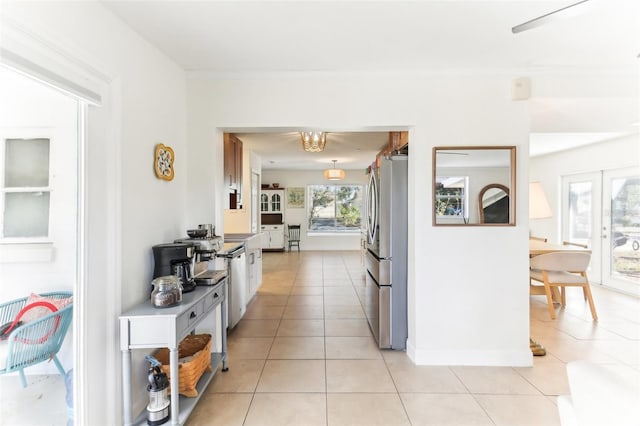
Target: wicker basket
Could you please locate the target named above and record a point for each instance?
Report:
(194, 353)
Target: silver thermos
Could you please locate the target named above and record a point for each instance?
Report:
(159, 408)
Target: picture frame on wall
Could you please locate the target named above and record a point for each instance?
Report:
(295, 198)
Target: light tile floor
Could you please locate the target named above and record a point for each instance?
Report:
(304, 356)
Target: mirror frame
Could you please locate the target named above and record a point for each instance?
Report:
(511, 189)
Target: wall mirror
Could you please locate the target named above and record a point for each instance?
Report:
(474, 185)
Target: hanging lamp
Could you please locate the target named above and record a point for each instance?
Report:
(334, 174)
(313, 141)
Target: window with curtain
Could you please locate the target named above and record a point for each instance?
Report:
(335, 208)
(25, 190)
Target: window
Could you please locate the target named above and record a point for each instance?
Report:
(452, 196)
(25, 191)
(335, 208)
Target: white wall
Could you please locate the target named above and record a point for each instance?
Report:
(302, 178)
(129, 210)
(31, 109)
(548, 170)
(453, 314)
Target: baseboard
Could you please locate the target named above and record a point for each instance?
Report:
(522, 358)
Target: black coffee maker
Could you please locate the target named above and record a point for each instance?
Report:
(175, 259)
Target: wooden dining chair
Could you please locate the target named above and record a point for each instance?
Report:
(582, 246)
(562, 269)
(536, 290)
(543, 239)
(293, 236)
(568, 243)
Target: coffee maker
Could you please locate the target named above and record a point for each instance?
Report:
(205, 249)
(175, 259)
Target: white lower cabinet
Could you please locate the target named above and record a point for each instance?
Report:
(254, 272)
(273, 237)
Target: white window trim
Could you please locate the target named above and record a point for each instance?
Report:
(316, 233)
(32, 132)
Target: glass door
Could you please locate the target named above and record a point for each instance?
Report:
(581, 216)
(602, 209)
(621, 230)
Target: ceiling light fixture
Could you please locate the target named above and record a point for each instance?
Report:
(313, 141)
(567, 11)
(334, 174)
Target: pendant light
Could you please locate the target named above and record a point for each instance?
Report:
(313, 141)
(334, 174)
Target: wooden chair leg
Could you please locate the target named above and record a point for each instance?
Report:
(592, 306)
(547, 291)
(563, 296)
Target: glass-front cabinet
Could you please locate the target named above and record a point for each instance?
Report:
(272, 201)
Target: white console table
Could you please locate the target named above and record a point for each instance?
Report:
(145, 326)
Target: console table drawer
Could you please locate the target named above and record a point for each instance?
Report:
(190, 317)
(215, 297)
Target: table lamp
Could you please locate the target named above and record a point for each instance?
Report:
(538, 204)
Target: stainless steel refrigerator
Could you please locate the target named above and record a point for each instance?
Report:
(386, 257)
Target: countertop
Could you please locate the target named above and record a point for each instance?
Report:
(250, 240)
(229, 246)
(238, 237)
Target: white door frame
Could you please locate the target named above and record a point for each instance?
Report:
(608, 278)
(97, 291)
(595, 242)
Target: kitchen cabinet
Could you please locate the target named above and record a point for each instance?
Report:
(255, 272)
(147, 327)
(273, 237)
(233, 169)
(272, 201)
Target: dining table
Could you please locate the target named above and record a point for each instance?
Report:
(538, 247)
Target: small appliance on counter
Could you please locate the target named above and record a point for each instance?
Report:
(175, 259)
(206, 244)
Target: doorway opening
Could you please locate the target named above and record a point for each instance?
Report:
(39, 187)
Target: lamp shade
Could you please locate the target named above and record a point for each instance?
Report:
(334, 174)
(538, 204)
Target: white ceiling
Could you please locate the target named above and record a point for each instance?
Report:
(256, 37)
(283, 150)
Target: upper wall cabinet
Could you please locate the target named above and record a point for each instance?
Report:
(233, 169)
(474, 185)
